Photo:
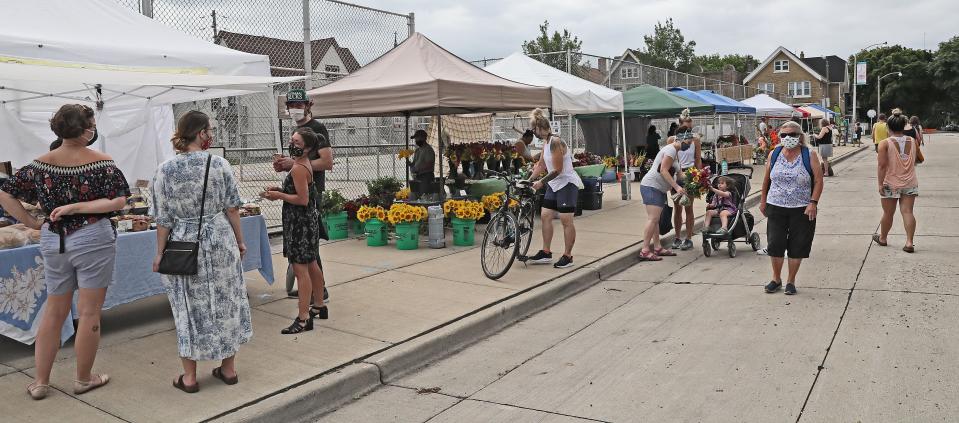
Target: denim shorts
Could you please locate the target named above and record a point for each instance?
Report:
(87, 261)
(652, 196)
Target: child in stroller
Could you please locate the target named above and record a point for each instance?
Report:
(722, 204)
(727, 219)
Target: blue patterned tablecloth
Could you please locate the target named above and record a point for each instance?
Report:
(23, 292)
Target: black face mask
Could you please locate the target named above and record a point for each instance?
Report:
(685, 146)
(296, 151)
(420, 143)
(96, 134)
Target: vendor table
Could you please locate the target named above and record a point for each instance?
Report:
(23, 292)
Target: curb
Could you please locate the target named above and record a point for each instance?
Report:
(327, 393)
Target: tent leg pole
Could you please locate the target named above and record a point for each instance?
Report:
(439, 141)
(407, 138)
(622, 120)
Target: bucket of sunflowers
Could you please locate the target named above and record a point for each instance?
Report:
(406, 219)
(373, 218)
(696, 184)
(463, 214)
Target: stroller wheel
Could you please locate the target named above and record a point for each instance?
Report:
(754, 241)
(707, 249)
(715, 244)
(732, 249)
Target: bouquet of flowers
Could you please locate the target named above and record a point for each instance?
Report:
(353, 206)
(403, 194)
(586, 158)
(464, 209)
(610, 162)
(696, 183)
(494, 201)
(479, 151)
(405, 213)
(404, 154)
(366, 213)
(637, 160)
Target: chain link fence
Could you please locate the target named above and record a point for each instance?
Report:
(343, 36)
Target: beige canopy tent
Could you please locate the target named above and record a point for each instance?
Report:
(420, 78)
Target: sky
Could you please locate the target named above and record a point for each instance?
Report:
(495, 28)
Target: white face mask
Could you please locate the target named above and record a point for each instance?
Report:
(297, 114)
(789, 142)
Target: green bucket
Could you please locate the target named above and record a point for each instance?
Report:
(407, 236)
(336, 226)
(356, 227)
(375, 233)
(463, 232)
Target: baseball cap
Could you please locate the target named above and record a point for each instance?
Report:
(296, 96)
(418, 133)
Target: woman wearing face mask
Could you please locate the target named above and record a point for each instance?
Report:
(790, 200)
(898, 183)
(691, 155)
(210, 309)
(79, 189)
(654, 189)
(301, 227)
(824, 140)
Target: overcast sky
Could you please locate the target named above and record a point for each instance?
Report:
(494, 28)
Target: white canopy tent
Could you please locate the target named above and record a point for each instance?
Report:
(768, 106)
(97, 51)
(571, 95)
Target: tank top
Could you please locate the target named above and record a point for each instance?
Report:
(790, 184)
(901, 164)
(826, 139)
(655, 179)
(566, 175)
(687, 159)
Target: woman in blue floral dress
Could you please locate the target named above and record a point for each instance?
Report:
(210, 309)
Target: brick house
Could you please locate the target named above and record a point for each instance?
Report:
(819, 80)
(286, 57)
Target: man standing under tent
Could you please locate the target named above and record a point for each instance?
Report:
(298, 106)
(423, 165)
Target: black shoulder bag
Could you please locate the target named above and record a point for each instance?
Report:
(181, 257)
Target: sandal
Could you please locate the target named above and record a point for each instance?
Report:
(38, 391)
(662, 252)
(190, 389)
(875, 238)
(218, 373)
(298, 326)
(322, 312)
(648, 256)
(82, 387)
(909, 249)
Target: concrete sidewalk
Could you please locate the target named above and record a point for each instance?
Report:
(394, 309)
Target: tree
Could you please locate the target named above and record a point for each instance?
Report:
(715, 62)
(667, 48)
(945, 70)
(555, 43)
(916, 92)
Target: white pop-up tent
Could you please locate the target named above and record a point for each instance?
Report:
(768, 106)
(55, 52)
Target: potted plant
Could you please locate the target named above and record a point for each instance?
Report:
(406, 219)
(383, 191)
(351, 207)
(463, 214)
(373, 218)
(333, 215)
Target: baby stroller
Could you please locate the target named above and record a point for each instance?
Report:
(740, 224)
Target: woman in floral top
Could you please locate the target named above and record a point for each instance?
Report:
(79, 189)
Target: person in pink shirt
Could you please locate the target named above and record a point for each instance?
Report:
(898, 183)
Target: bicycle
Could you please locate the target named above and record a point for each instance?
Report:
(509, 232)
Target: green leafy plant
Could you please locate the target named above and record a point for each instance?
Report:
(383, 190)
(331, 203)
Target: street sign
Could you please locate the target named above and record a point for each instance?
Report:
(861, 73)
(871, 113)
(555, 126)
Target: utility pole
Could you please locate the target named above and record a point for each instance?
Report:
(215, 33)
(855, 72)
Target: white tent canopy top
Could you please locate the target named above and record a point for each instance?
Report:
(55, 52)
(768, 106)
(571, 94)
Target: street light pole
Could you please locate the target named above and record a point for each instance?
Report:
(855, 63)
(879, 89)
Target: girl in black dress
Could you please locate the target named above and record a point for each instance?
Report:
(301, 228)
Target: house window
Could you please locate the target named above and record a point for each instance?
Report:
(629, 73)
(800, 89)
(781, 66)
(333, 69)
(767, 87)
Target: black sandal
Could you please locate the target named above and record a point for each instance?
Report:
(191, 389)
(218, 373)
(321, 312)
(878, 241)
(298, 326)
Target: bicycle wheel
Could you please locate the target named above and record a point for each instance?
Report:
(499, 248)
(526, 225)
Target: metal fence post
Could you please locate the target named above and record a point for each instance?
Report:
(146, 8)
(411, 23)
(307, 48)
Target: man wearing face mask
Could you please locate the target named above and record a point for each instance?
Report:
(424, 158)
(298, 106)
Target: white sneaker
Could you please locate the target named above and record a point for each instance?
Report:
(762, 252)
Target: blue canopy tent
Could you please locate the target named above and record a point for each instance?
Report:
(828, 112)
(722, 105)
(741, 108)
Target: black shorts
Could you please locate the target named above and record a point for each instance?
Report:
(562, 201)
(789, 230)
